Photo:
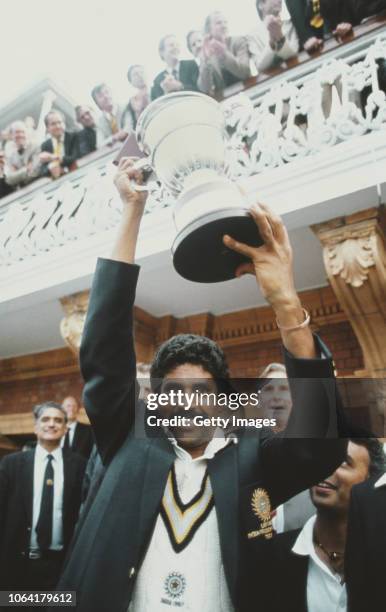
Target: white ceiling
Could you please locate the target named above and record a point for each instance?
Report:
(160, 291)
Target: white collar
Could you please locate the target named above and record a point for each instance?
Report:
(41, 453)
(304, 546)
(218, 442)
(380, 482)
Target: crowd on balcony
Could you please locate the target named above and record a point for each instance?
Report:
(283, 28)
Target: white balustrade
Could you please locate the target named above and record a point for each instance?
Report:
(297, 117)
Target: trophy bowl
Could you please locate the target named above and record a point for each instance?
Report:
(183, 135)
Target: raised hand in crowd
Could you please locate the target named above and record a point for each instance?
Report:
(170, 84)
(274, 27)
(343, 29)
(313, 44)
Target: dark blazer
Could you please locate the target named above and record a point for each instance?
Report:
(350, 11)
(365, 560)
(299, 11)
(285, 575)
(188, 75)
(16, 502)
(87, 141)
(5, 189)
(71, 153)
(116, 532)
(83, 440)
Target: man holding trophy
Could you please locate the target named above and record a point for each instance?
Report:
(177, 513)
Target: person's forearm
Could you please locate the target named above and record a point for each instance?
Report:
(126, 240)
(299, 342)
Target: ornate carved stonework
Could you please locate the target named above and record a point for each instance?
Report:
(354, 251)
(71, 326)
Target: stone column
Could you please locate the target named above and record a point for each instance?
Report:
(354, 251)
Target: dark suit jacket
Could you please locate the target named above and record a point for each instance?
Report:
(350, 11)
(87, 141)
(16, 501)
(5, 189)
(83, 440)
(284, 575)
(365, 561)
(116, 532)
(71, 153)
(299, 11)
(188, 75)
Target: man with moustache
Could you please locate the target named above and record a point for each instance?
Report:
(40, 496)
(182, 500)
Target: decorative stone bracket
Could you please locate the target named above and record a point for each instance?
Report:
(354, 251)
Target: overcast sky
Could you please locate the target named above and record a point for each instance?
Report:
(82, 42)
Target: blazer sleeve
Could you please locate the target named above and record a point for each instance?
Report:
(355, 556)
(236, 59)
(189, 75)
(309, 449)
(156, 89)
(47, 147)
(4, 494)
(71, 153)
(107, 356)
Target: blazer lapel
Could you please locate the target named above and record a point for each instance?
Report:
(27, 482)
(68, 480)
(223, 473)
(159, 462)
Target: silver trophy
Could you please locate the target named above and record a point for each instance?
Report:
(184, 138)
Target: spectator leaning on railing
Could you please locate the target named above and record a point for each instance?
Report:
(114, 125)
(308, 22)
(137, 103)
(224, 60)
(342, 16)
(22, 160)
(178, 74)
(60, 150)
(87, 138)
(275, 39)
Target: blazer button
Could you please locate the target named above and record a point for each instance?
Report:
(131, 573)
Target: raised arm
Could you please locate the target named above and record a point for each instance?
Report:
(308, 450)
(107, 355)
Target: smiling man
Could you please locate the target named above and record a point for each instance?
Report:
(40, 496)
(310, 562)
(172, 519)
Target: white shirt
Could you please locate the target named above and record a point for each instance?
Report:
(261, 51)
(199, 566)
(381, 481)
(71, 432)
(40, 464)
(325, 592)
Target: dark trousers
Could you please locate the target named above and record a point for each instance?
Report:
(43, 574)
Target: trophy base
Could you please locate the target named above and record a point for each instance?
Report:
(199, 253)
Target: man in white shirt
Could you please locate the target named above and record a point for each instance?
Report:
(275, 40)
(310, 562)
(40, 496)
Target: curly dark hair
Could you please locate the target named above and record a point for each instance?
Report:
(189, 348)
(376, 454)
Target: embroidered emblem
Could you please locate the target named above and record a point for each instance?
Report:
(261, 507)
(174, 585)
(183, 520)
(49, 482)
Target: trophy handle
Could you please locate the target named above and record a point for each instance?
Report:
(144, 165)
